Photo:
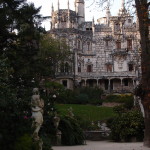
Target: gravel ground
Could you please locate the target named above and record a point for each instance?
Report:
(104, 145)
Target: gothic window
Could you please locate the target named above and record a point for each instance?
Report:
(79, 68)
(126, 83)
(66, 67)
(89, 68)
(117, 27)
(88, 46)
(106, 42)
(118, 44)
(130, 67)
(129, 44)
(62, 67)
(109, 68)
(79, 44)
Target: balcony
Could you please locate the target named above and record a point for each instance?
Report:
(64, 75)
(122, 52)
(103, 75)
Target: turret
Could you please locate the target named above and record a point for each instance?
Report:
(58, 17)
(122, 10)
(108, 14)
(58, 5)
(93, 26)
(80, 10)
(52, 17)
(68, 15)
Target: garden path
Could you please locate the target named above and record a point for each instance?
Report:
(104, 145)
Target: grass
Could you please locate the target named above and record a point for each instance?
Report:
(87, 112)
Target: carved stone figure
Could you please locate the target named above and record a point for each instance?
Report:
(70, 112)
(56, 121)
(37, 105)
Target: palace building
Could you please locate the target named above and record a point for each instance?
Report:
(106, 53)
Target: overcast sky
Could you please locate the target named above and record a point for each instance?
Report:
(90, 11)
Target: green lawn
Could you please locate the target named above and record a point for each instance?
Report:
(87, 112)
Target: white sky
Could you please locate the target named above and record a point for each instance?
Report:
(90, 11)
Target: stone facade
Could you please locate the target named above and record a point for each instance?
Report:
(106, 54)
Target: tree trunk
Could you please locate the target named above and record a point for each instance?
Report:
(142, 12)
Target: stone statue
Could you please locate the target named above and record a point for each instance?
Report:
(37, 105)
(70, 112)
(56, 120)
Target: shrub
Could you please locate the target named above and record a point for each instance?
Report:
(24, 143)
(72, 134)
(82, 99)
(67, 97)
(93, 93)
(80, 96)
(126, 100)
(128, 125)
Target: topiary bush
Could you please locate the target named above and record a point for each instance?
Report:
(128, 125)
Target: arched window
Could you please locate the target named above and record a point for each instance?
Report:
(109, 68)
(106, 42)
(62, 67)
(89, 68)
(79, 45)
(118, 44)
(66, 67)
(129, 44)
(88, 46)
(130, 67)
(79, 68)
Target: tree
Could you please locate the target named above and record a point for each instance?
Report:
(20, 35)
(53, 53)
(142, 8)
(19, 40)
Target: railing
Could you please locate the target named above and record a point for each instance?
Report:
(103, 75)
(64, 74)
(122, 51)
(95, 75)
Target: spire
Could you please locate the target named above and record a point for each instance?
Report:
(68, 5)
(52, 8)
(58, 4)
(108, 14)
(122, 10)
(123, 4)
(93, 20)
(68, 15)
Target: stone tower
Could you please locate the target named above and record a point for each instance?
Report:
(80, 10)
